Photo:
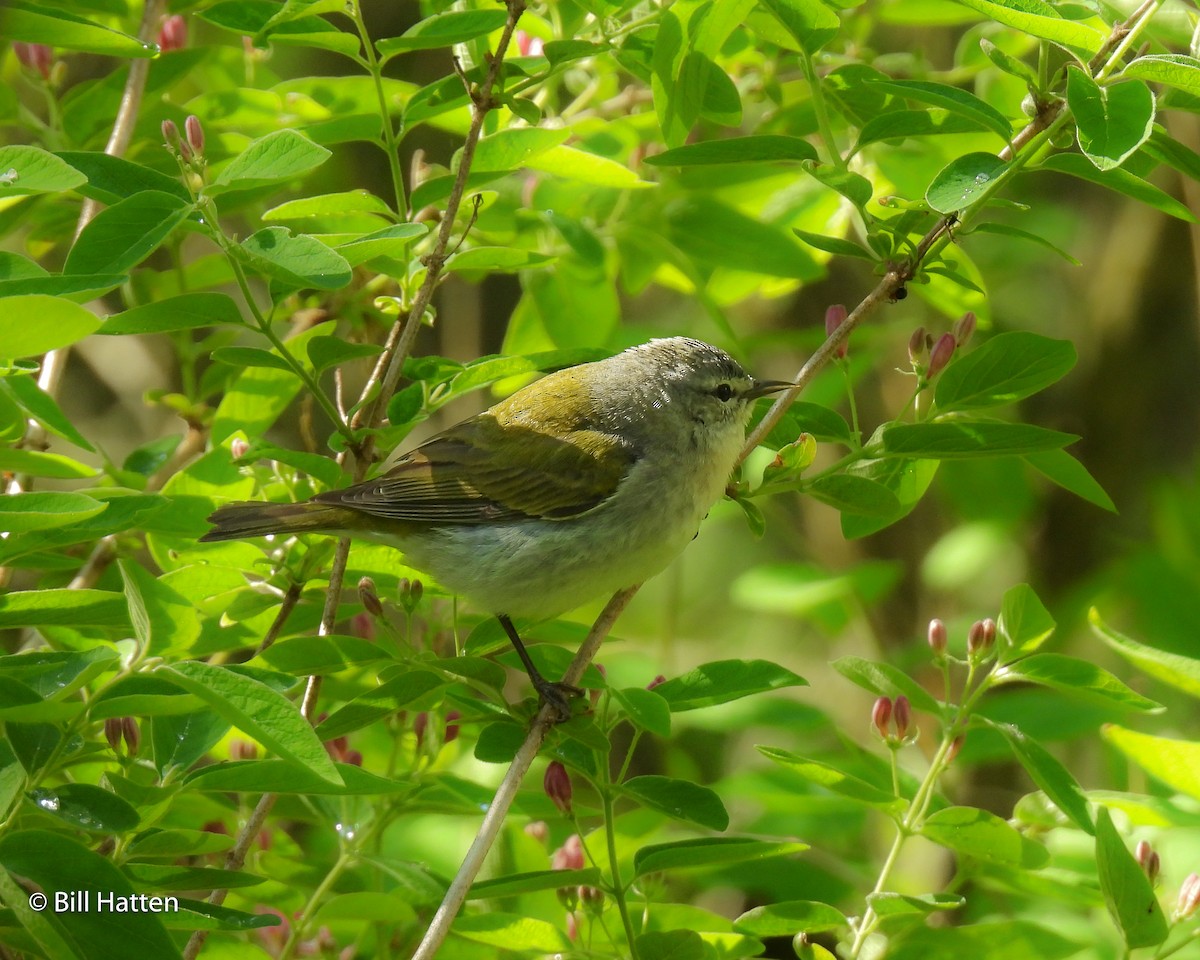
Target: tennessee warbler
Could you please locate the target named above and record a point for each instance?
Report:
(585, 482)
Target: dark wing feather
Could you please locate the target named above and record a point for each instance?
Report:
(501, 465)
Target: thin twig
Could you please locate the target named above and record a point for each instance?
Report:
(497, 811)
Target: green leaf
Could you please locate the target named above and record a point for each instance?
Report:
(258, 711)
(977, 833)
(1178, 671)
(645, 709)
(487, 370)
(156, 876)
(73, 288)
(280, 155)
(854, 494)
(142, 696)
(510, 149)
(671, 945)
(1005, 369)
(571, 163)
(1061, 468)
(309, 656)
(443, 30)
(950, 98)
(300, 260)
(788, 917)
(1119, 180)
(755, 149)
(35, 23)
(885, 680)
(63, 607)
(326, 352)
(184, 312)
(853, 186)
(38, 464)
(516, 884)
(832, 779)
(810, 22)
(250, 18)
(34, 323)
(1002, 940)
(1073, 675)
(724, 680)
(120, 237)
(679, 799)
(1025, 624)
(25, 393)
(719, 235)
(202, 915)
(838, 246)
(56, 863)
(496, 260)
(22, 512)
(392, 241)
(250, 357)
(963, 182)
(1175, 762)
(955, 439)
(111, 179)
(1174, 69)
(889, 904)
(1067, 33)
(1128, 893)
(29, 170)
(280, 776)
(348, 203)
(1010, 65)
(387, 698)
(511, 932)
(1004, 230)
(1111, 121)
(824, 424)
(709, 852)
(56, 675)
(901, 124)
(86, 807)
(1050, 775)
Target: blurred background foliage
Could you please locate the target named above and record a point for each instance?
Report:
(640, 250)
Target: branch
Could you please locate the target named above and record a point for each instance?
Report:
(497, 811)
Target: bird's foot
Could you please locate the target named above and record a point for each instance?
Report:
(557, 696)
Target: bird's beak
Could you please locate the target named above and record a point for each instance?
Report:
(762, 388)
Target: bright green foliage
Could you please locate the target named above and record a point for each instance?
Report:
(349, 172)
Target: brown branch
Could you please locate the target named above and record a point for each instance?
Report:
(498, 809)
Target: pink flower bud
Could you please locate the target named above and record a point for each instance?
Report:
(658, 681)
(538, 830)
(557, 784)
(369, 598)
(955, 746)
(1148, 860)
(902, 714)
(132, 734)
(977, 638)
(362, 625)
(964, 328)
(834, 317)
(242, 750)
(1189, 896)
(195, 133)
(173, 34)
(592, 899)
(410, 593)
(238, 447)
(170, 134)
(420, 724)
(937, 637)
(941, 353)
(569, 856)
(354, 758)
(918, 348)
(215, 826)
(451, 726)
(989, 633)
(112, 732)
(36, 57)
(881, 716)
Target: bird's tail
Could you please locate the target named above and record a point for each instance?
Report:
(237, 520)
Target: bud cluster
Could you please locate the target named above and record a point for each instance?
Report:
(892, 720)
(117, 729)
(188, 148)
(981, 638)
(929, 356)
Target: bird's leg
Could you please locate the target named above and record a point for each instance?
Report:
(558, 695)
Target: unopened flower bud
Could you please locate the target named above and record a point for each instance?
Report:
(592, 899)
(937, 638)
(173, 33)
(881, 716)
(132, 734)
(964, 328)
(989, 633)
(362, 625)
(569, 856)
(902, 715)
(978, 641)
(112, 732)
(170, 134)
(834, 317)
(195, 133)
(955, 745)
(941, 353)
(369, 597)
(658, 681)
(420, 724)
(1189, 896)
(538, 830)
(242, 750)
(410, 592)
(36, 57)
(353, 757)
(1148, 860)
(918, 348)
(238, 447)
(557, 784)
(451, 726)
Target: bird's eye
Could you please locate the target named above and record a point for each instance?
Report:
(723, 392)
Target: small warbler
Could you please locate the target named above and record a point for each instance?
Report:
(587, 481)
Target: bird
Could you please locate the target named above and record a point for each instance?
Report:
(586, 481)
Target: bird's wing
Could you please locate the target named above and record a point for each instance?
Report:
(496, 467)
